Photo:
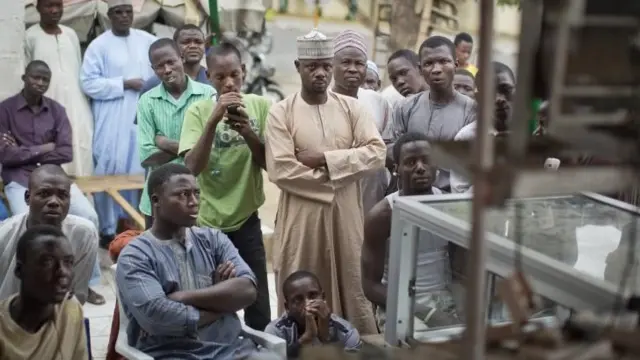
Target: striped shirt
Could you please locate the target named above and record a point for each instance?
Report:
(149, 269)
(159, 113)
(340, 331)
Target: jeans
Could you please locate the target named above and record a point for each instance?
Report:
(248, 240)
(79, 206)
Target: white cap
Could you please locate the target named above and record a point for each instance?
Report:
(314, 45)
(114, 3)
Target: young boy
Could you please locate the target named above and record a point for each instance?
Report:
(465, 83)
(308, 320)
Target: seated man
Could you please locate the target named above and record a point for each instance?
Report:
(48, 198)
(181, 285)
(434, 301)
(35, 130)
(308, 320)
(43, 321)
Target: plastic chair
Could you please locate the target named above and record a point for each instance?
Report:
(88, 335)
(270, 342)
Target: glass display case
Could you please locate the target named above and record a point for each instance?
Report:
(573, 250)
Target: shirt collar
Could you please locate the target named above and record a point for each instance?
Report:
(159, 92)
(22, 102)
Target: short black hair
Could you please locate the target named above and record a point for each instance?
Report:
(499, 68)
(35, 63)
(223, 49)
(436, 41)
(465, 72)
(185, 27)
(295, 276)
(410, 55)
(161, 175)
(161, 43)
(23, 248)
(463, 36)
(49, 169)
(405, 139)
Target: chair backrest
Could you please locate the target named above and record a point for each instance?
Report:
(124, 320)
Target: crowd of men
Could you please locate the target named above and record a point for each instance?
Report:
(339, 150)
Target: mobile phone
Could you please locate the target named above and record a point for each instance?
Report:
(233, 110)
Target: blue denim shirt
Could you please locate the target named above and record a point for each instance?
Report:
(166, 329)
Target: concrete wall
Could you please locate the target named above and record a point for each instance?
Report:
(11, 46)
(506, 27)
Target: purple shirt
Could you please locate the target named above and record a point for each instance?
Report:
(31, 130)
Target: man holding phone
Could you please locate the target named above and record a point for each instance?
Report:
(222, 144)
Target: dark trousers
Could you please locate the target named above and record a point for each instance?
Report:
(248, 240)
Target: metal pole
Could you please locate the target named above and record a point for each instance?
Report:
(476, 298)
(316, 14)
(214, 21)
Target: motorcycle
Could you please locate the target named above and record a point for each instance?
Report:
(260, 81)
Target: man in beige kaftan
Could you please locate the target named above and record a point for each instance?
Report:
(318, 145)
(59, 47)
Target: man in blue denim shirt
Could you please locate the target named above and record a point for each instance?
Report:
(181, 285)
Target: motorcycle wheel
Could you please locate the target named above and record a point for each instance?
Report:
(274, 93)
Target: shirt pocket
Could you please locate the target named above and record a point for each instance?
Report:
(203, 281)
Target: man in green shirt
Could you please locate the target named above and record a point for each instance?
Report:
(222, 143)
(161, 111)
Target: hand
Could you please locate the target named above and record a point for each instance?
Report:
(161, 141)
(134, 84)
(240, 123)
(224, 101)
(310, 329)
(311, 159)
(224, 272)
(8, 140)
(48, 147)
(165, 144)
(176, 296)
(321, 312)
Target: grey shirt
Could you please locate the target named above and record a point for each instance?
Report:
(440, 122)
(150, 269)
(341, 332)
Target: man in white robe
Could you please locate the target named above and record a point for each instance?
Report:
(319, 144)
(349, 74)
(59, 47)
(115, 67)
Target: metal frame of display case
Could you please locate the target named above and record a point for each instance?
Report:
(550, 278)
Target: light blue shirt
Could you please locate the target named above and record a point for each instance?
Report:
(149, 269)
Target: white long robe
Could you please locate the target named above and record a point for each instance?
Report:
(108, 61)
(320, 225)
(62, 53)
(374, 185)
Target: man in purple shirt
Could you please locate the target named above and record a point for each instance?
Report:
(35, 130)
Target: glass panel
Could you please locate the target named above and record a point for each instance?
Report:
(575, 230)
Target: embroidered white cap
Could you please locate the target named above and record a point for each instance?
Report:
(314, 45)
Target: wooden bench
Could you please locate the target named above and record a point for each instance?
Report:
(112, 184)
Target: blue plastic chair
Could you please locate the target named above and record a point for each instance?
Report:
(88, 334)
(4, 212)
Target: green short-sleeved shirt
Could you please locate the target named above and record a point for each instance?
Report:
(159, 113)
(231, 186)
